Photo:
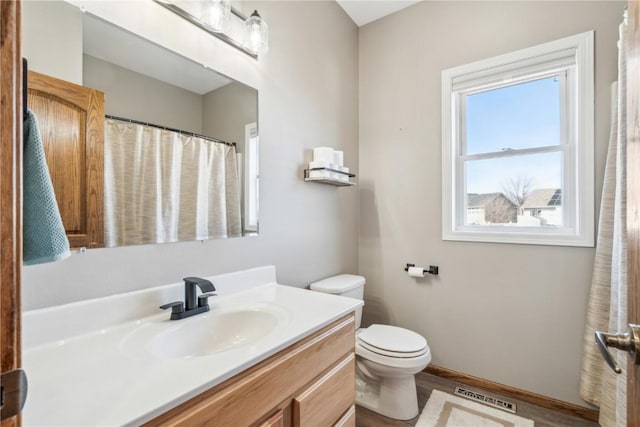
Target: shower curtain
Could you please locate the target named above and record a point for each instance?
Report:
(162, 186)
(607, 307)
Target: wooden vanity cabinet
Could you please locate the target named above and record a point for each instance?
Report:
(323, 402)
(309, 384)
(348, 418)
(276, 420)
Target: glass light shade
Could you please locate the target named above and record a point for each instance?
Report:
(216, 14)
(256, 34)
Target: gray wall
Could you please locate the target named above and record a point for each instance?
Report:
(52, 39)
(221, 113)
(136, 96)
(308, 85)
(509, 313)
(236, 97)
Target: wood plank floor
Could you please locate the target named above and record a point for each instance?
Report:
(426, 382)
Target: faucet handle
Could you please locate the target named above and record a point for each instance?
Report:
(176, 307)
(203, 298)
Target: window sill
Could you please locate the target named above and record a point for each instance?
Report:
(522, 238)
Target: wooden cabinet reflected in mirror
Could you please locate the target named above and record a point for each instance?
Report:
(71, 122)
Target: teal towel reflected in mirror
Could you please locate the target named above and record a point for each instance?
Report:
(44, 238)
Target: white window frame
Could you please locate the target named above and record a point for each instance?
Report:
(572, 58)
(251, 177)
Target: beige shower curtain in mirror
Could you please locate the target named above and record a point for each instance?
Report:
(162, 186)
(607, 308)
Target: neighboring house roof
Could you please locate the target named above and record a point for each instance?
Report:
(543, 198)
(475, 200)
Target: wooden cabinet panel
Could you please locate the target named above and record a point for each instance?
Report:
(247, 398)
(324, 402)
(348, 419)
(277, 420)
(71, 121)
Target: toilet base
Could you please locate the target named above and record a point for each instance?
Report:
(395, 397)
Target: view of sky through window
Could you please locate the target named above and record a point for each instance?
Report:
(525, 115)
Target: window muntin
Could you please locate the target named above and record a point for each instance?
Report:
(484, 105)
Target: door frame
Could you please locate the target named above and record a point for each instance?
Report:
(633, 200)
(10, 189)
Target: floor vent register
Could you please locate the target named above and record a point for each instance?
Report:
(487, 400)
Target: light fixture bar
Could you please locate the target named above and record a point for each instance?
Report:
(225, 38)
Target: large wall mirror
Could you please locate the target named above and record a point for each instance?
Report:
(180, 146)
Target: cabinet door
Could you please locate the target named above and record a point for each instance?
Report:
(348, 419)
(326, 400)
(71, 122)
(277, 420)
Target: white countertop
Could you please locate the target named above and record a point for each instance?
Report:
(95, 375)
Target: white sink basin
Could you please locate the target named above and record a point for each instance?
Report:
(214, 333)
(220, 329)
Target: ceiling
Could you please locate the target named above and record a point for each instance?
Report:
(113, 44)
(364, 11)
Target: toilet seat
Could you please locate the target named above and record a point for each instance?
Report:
(392, 341)
(392, 346)
(402, 363)
(388, 353)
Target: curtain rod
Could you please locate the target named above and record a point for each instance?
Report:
(182, 132)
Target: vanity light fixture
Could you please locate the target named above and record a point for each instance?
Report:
(219, 19)
(217, 14)
(256, 34)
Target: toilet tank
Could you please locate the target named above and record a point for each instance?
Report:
(346, 285)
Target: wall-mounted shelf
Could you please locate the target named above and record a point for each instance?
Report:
(331, 180)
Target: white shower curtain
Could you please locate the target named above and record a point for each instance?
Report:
(607, 308)
(162, 186)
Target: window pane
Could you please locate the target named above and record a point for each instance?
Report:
(519, 190)
(519, 116)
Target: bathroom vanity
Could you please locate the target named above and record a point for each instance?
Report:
(265, 355)
(311, 383)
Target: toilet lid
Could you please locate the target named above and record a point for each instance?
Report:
(392, 341)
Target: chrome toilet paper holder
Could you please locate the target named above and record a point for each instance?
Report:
(433, 269)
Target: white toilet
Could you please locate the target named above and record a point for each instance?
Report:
(388, 357)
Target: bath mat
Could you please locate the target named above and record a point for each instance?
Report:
(447, 410)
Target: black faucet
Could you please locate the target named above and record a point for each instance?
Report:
(194, 305)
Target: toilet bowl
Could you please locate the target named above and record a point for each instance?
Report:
(387, 357)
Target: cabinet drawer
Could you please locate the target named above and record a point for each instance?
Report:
(276, 420)
(324, 402)
(348, 419)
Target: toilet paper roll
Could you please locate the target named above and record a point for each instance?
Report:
(323, 154)
(338, 157)
(341, 176)
(313, 165)
(416, 271)
(320, 174)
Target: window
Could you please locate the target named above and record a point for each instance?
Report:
(251, 177)
(517, 146)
